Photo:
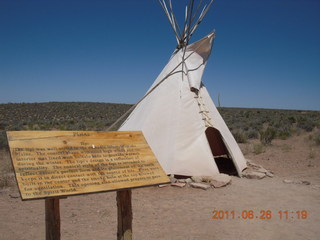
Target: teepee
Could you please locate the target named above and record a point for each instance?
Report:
(178, 117)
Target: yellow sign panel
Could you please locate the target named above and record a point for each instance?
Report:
(63, 163)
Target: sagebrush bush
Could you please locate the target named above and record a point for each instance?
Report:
(3, 140)
(3, 125)
(266, 136)
(316, 138)
(6, 170)
(306, 124)
(292, 119)
(240, 136)
(252, 134)
(284, 132)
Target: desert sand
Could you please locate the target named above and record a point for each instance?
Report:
(186, 213)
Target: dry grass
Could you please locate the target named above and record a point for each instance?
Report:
(259, 148)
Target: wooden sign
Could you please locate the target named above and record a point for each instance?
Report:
(62, 163)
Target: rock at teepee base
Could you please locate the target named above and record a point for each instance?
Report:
(172, 178)
(253, 168)
(200, 185)
(184, 180)
(196, 179)
(253, 174)
(220, 180)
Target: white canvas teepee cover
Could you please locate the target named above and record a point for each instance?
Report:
(174, 119)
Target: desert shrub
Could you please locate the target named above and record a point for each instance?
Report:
(239, 125)
(247, 114)
(81, 126)
(246, 128)
(36, 127)
(284, 132)
(3, 125)
(306, 124)
(72, 127)
(62, 127)
(266, 136)
(252, 134)
(316, 138)
(292, 119)
(4, 180)
(16, 127)
(6, 170)
(3, 140)
(240, 136)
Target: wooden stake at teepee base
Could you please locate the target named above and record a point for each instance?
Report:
(52, 213)
(124, 215)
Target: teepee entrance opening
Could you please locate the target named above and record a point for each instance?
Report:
(220, 152)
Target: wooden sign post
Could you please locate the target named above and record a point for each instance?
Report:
(124, 215)
(52, 213)
(54, 164)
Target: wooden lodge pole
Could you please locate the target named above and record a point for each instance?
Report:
(124, 215)
(52, 219)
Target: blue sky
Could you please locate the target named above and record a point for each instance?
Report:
(266, 53)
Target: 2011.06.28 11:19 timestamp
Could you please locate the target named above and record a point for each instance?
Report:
(262, 214)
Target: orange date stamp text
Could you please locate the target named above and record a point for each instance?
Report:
(261, 214)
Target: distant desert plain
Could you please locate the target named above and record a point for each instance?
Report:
(285, 205)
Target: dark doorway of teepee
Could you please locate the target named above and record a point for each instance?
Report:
(220, 152)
